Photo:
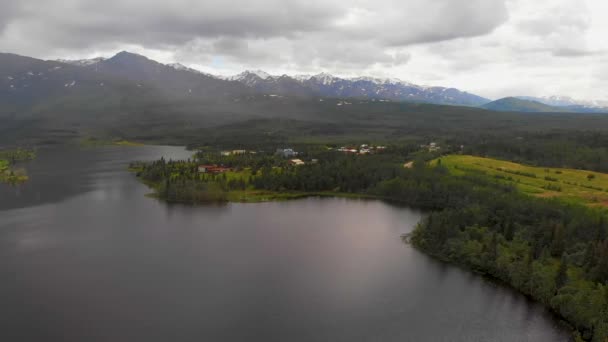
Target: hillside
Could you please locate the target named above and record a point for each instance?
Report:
(569, 185)
(132, 97)
(570, 104)
(513, 104)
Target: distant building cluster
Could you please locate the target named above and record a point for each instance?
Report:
(286, 152)
(235, 152)
(363, 149)
(431, 147)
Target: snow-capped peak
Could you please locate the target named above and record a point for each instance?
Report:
(325, 78)
(82, 62)
(259, 73)
(246, 76)
(380, 81)
(301, 77)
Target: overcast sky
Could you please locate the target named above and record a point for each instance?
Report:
(494, 48)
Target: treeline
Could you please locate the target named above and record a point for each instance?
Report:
(332, 172)
(569, 149)
(180, 182)
(553, 252)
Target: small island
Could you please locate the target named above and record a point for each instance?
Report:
(8, 173)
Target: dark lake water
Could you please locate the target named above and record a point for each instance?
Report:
(85, 256)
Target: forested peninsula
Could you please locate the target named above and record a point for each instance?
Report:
(553, 250)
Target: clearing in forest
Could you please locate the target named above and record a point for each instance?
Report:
(574, 186)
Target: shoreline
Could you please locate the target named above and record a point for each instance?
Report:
(261, 196)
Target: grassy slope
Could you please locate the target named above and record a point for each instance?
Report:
(574, 185)
(512, 104)
(3, 165)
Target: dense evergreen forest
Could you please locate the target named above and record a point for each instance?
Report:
(553, 252)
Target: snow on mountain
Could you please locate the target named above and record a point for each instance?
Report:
(261, 74)
(322, 84)
(250, 73)
(82, 62)
(179, 66)
(301, 77)
(380, 81)
(328, 85)
(325, 78)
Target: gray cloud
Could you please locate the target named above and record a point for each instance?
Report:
(555, 22)
(87, 23)
(8, 11)
(81, 24)
(435, 21)
(488, 46)
(574, 52)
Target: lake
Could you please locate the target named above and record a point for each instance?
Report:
(85, 256)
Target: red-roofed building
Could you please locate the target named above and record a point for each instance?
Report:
(215, 169)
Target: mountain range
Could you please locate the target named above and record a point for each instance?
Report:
(131, 95)
(321, 85)
(327, 85)
(179, 81)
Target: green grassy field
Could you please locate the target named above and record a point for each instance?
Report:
(573, 186)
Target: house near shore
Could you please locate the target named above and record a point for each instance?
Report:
(348, 149)
(233, 153)
(212, 169)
